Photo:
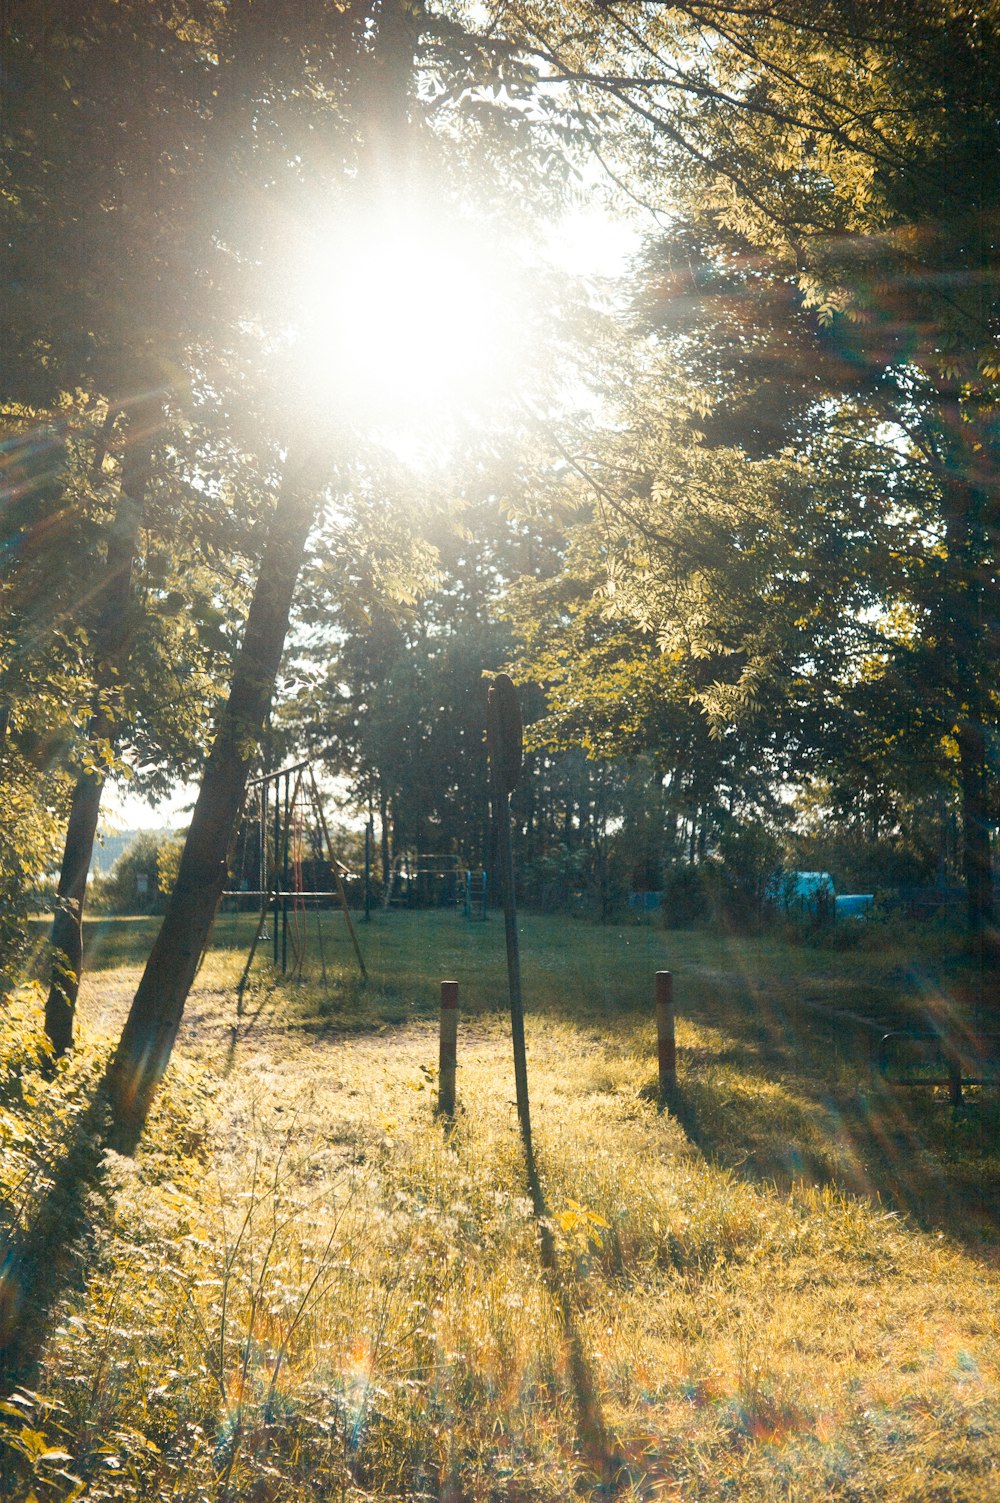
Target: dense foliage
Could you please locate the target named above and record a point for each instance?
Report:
(307, 430)
(731, 521)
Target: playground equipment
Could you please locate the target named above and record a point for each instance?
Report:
(423, 880)
(475, 894)
(282, 810)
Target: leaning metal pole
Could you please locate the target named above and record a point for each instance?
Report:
(504, 737)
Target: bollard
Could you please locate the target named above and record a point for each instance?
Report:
(448, 1057)
(665, 1045)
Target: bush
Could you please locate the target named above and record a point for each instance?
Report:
(689, 894)
(30, 833)
(142, 877)
(734, 885)
(557, 880)
(750, 853)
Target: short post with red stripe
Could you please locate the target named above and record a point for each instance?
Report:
(666, 1047)
(448, 1057)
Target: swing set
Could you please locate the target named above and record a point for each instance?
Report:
(282, 809)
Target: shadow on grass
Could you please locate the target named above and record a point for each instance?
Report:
(792, 1096)
(40, 1258)
(351, 1008)
(783, 1093)
(597, 1446)
(243, 1027)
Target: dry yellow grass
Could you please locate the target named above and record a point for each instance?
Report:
(307, 1287)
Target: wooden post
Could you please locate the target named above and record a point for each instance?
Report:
(448, 1057)
(666, 1048)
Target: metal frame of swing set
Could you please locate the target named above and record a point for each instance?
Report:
(275, 898)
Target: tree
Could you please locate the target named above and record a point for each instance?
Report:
(852, 155)
(366, 144)
(110, 641)
(42, 652)
(101, 135)
(142, 875)
(392, 691)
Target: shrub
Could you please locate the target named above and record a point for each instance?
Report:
(141, 877)
(689, 894)
(749, 852)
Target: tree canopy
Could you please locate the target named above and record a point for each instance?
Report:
(283, 344)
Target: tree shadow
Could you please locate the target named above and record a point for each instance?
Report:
(40, 1256)
(793, 1096)
(597, 1447)
(826, 1118)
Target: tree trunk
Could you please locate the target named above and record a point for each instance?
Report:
(148, 1037)
(977, 865)
(962, 612)
(111, 646)
(67, 922)
(383, 812)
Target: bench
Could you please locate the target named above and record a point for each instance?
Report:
(925, 1056)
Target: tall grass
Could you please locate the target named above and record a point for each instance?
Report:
(307, 1286)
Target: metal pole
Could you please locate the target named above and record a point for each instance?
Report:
(368, 870)
(264, 811)
(262, 839)
(277, 868)
(504, 738)
(665, 1044)
(284, 877)
(448, 1052)
(513, 964)
(335, 868)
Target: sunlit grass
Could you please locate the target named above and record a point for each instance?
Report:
(306, 1287)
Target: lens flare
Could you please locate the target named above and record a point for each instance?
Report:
(405, 321)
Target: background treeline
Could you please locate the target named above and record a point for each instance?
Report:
(735, 535)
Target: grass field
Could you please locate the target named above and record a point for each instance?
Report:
(308, 1286)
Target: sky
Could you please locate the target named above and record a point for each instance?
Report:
(121, 810)
(588, 242)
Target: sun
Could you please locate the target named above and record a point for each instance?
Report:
(409, 318)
